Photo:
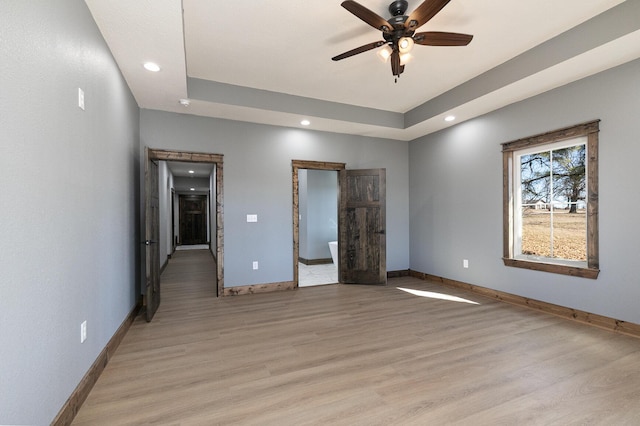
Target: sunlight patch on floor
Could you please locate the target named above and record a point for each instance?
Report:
(440, 296)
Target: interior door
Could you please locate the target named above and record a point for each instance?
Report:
(152, 231)
(362, 222)
(193, 215)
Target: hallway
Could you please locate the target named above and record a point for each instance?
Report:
(190, 274)
(411, 352)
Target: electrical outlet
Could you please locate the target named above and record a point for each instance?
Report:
(252, 218)
(83, 331)
(465, 263)
(255, 264)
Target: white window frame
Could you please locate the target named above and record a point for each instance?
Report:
(518, 207)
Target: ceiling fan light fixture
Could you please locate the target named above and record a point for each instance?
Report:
(385, 52)
(404, 58)
(405, 44)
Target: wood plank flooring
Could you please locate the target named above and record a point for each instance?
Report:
(359, 355)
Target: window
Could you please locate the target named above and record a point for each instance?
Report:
(550, 185)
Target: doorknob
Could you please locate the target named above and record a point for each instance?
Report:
(148, 242)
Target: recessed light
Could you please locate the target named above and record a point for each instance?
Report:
(191, 172)
(192, 189)
(449, 118)
(305, 122)
(152, 66)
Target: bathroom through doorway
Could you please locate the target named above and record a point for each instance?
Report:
(316, 192)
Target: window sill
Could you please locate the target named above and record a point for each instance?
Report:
(553, 268)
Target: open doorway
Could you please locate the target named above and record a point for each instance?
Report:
(192, 205)
(318, 227)
(211, 189)
(315, 222)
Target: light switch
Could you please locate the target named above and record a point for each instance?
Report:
(252, 218)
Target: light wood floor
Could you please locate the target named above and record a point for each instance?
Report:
(359, 355)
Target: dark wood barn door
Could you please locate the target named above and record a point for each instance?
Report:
(362, 223)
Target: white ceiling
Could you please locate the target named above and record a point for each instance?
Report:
(279, 53)
(191, 175)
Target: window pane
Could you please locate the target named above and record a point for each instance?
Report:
(536, 232)
(569, 187)
(570, 233)
(535, 175)
(569, 178)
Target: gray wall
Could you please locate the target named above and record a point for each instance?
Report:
(321, 219)
(257, 180)
(68, 219)
(456, 195)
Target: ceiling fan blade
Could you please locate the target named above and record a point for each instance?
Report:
(358, 50)
(396, 68)
(423, 13)
(436, 38)
(368, 16)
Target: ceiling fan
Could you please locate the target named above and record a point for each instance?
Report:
(399, 31)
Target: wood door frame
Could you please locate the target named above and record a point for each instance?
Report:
(296, 166)
(200, 157)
